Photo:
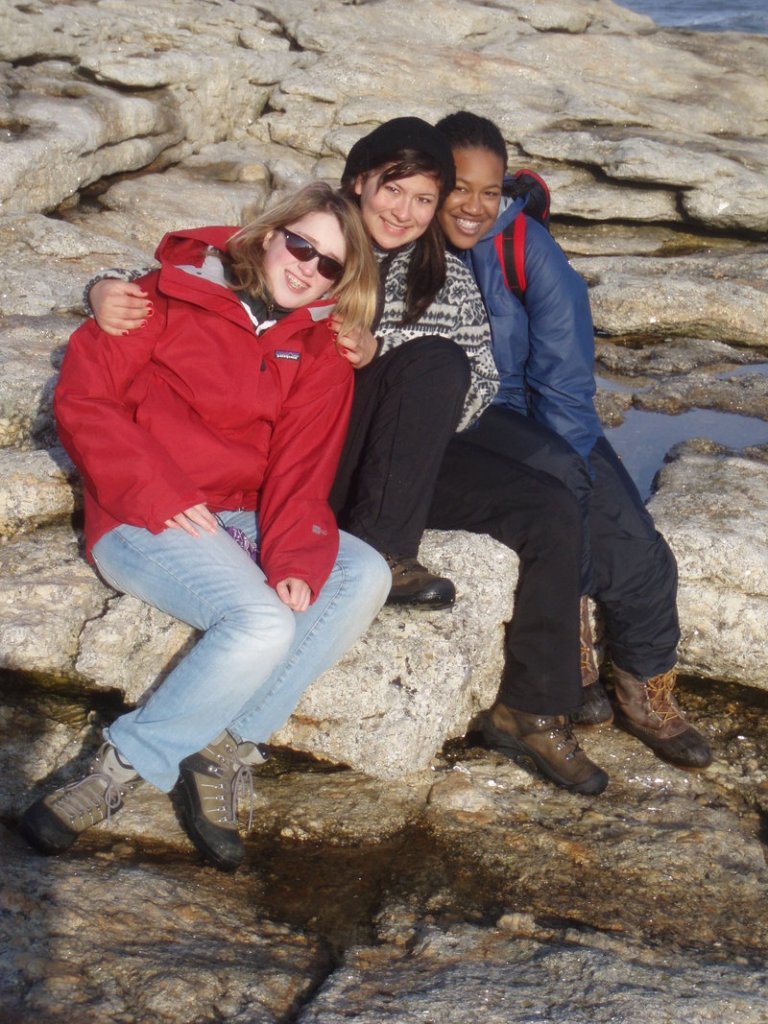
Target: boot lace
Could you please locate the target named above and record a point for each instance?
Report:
(660, 698)
(90, 800)
(242, 790)
(588, 662)
(403, 565)
(235, 785)
(565, 740)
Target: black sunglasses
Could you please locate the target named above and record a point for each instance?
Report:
(305, 251)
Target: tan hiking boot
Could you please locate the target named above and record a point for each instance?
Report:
(646, 708)
(53, 823)
(548, 741)
(210, 783)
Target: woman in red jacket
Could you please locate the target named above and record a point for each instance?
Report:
(206, 438)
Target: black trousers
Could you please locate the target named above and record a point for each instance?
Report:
(628, 568)
(484, 491)
(406, 407)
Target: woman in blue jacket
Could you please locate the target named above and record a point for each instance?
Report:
(544, 417)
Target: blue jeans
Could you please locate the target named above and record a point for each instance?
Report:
(255, 658)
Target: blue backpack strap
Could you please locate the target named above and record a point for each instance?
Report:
(510, 245)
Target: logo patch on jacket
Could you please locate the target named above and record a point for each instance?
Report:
(282, 353)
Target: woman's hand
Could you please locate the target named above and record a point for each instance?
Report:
(358, 346)
(119, 306)
(295, 593)
(192, 520)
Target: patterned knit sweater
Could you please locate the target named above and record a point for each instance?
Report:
(457, 314)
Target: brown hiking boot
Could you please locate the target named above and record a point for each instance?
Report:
(413, 584)
(548, 741)
(647, 709)
(595, 708)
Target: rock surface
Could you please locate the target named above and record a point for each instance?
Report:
(458, 884)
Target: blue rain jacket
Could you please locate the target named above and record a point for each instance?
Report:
(544, 348)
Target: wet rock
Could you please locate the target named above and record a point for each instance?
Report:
(559, 975)
(611, 405)
(742, 394)
(139, 941)
(674, 357)
(658, 884)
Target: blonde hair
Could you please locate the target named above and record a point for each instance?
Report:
(356, 290)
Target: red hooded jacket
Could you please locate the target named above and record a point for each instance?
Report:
(196, 407)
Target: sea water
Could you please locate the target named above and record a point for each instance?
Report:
(705, 15)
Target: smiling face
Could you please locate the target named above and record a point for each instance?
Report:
(396, 212)
(293, 282)
(471, 209)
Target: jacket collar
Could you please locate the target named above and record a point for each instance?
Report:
(506, 215)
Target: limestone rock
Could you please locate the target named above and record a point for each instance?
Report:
(154, 86)
(721, 297)
(47, 592)
(31, 349)
(415, 694)
(57, 618)
(45, 264)
(140, 212)
(38, 488)
(713, 510)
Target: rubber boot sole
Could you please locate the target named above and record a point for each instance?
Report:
(44, 831)
(661, 748)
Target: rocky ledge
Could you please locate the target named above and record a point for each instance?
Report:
(424, 880)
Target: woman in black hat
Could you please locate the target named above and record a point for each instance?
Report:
(434, 372)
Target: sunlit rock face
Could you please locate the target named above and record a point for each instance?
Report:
(121, 120)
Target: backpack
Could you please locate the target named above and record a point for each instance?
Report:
(510, 244)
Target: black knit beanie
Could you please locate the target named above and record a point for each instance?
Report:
(384, 143)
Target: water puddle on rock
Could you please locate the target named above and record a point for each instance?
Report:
(337, 893)
(343, 893)
(644, 438)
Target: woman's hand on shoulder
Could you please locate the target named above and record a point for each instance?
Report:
(119, 306)
(295, 593)
(357, 346)
(192, 520)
